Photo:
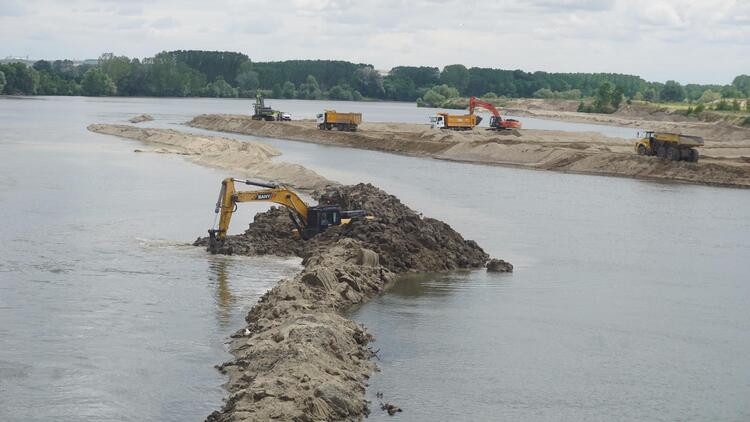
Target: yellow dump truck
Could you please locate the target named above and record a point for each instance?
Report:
(455, 121)
(669, 146)
(341, 121)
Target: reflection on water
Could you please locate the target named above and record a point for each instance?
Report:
(224, 298)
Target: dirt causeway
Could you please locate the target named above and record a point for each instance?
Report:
(300, 358)
(724, 160)
(242, 159)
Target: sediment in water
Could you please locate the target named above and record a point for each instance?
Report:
(300, 358)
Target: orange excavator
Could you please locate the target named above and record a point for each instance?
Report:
(496, 122)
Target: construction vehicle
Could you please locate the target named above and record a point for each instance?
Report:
(308, 220)
(496, 121)
(454, 121)
(669, 146)
(330, 119)
(263, 112)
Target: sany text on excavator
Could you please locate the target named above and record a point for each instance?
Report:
(496, 121)
(308, 220)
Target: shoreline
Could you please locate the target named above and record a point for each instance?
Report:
(724, 164)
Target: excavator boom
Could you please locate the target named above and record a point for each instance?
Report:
(308, 220)
(496, 122)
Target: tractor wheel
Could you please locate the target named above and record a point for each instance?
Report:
(661, 152)
(641, 149)
(673, 153)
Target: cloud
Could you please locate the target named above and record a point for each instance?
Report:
(165, 23)
(12, 8)
(687, 40)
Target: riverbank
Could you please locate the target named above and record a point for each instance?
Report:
(724, 163)
(245, 159)
(300, 357)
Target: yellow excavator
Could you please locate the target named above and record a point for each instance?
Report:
(308, 220)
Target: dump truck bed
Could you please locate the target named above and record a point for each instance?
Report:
(455, 120)
(332, 116)
(686, 140)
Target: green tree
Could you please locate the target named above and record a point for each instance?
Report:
(369, 81)
(96, 83)
(544, 93)
(339, 92)
(736, 105)
(20, 79)
(709, 96)
(604, 97)
(248, 80)
(288, 90)
(310, 90)
(617, 96)
(117, 68)
(220, 89)
(729, 91)
(455, 75)
(673, 92)
(2, 81)
(742, 83)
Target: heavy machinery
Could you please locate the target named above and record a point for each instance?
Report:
(330, 119)
(496, 121)
(669, 146)
(263, 112)
(454, 121)
(308, 220)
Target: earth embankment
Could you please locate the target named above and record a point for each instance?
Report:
(723, 162)
(245, 159)
(300, 358)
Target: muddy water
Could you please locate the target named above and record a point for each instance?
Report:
(104, 315)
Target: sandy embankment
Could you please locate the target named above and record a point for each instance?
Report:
(300, 358)
(725, 163)
(240, 158)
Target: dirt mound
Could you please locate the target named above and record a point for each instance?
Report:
(299, 358)
(404, 240)
(141, 118)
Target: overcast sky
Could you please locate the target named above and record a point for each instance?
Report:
(702, 41)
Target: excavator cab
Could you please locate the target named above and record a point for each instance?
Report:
(320, 218)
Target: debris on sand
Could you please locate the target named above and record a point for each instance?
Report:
(141, 118)
(242, 158)
(499, 266)
(300, 358)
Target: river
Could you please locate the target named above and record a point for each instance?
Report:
(629, 300)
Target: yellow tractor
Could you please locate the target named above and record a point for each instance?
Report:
(669, 146)
(308, 220)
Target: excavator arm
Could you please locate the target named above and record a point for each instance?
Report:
(496, 122)
(474, 103)
(229, 197)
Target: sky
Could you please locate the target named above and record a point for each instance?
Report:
(691, 41)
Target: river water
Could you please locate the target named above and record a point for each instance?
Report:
(629, 300)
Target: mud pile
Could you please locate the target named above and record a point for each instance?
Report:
(299, 358)
(141, 118)
(244, 159)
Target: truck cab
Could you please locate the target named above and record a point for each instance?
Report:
(437, 122)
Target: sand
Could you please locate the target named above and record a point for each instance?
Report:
(241, 159)
(724, 162)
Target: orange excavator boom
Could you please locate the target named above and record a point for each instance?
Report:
(496, 122)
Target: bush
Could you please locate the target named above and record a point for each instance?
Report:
(700, 108)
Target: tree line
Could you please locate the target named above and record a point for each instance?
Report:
(187, 73)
